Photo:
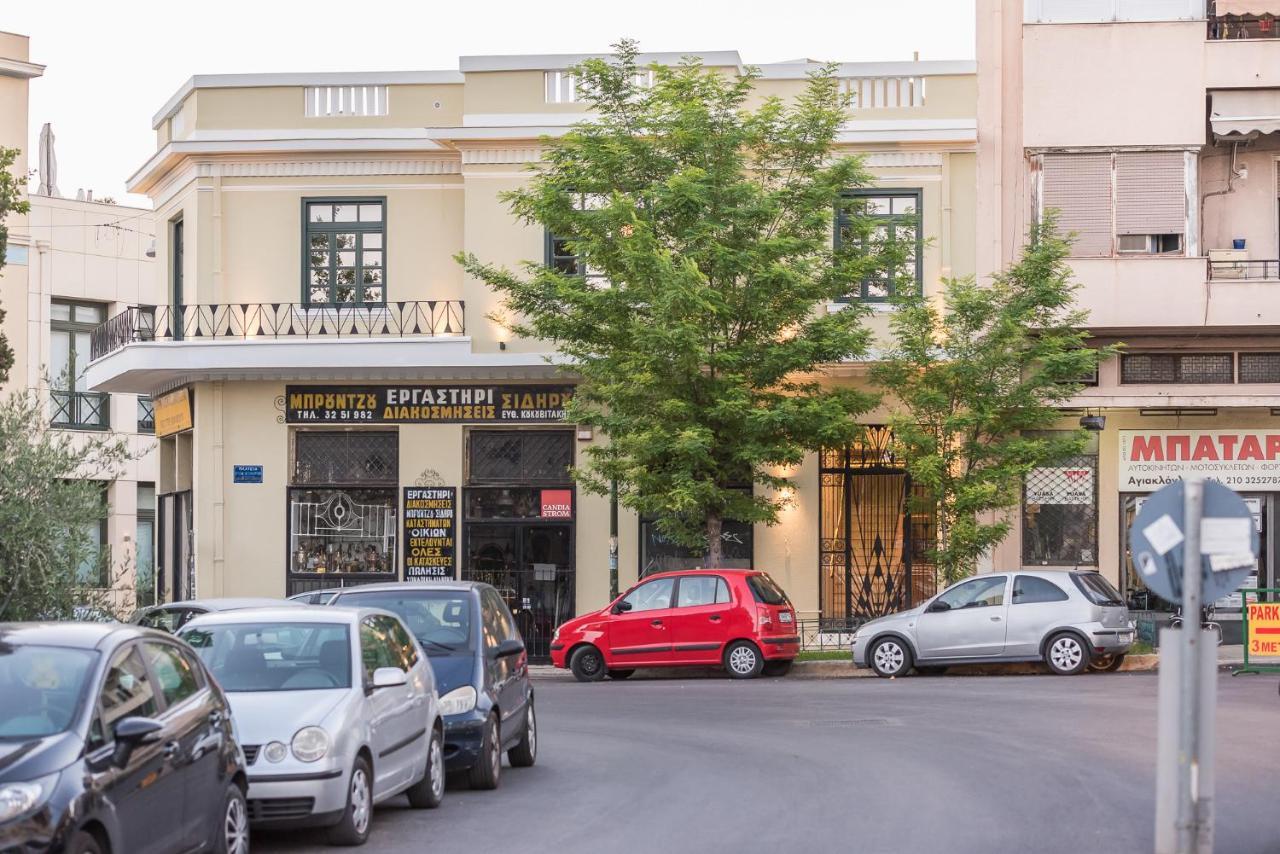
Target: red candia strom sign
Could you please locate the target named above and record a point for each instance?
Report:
(1247, 460)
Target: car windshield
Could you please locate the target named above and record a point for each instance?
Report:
(1098, 590)
(766, 590)
(275, 656)
(41, 688)
(439, 619)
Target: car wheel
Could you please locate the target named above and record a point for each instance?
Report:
(83, 843)
(620, 674)
(587, 664)
(353, 827)
(743, 660)
(1065, 654)
(487, 771)
(525, 753)
(428, 793)
(778, 668)
(1107, 663)
(235, 823)
(890, 657)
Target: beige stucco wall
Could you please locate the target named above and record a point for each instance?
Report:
(1250, 209)
(259, 107)
(1119, 90)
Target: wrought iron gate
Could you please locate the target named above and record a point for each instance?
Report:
(876, 532)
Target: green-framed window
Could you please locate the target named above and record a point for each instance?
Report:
(557, 252)
(895, 216)
(73, 406)
(344, 251)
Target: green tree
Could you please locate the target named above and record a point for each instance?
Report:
(11, 201)
(973, 380)
(702, 228)
(51, 502)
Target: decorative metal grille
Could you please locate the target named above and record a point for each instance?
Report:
(526, 456)
(346, 457)
(342, 531)
(1060, 514)
(80, 410)
(870, 561)
(1177, 368)
(1260, 367)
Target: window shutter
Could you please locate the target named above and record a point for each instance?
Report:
(1079, 187)
(1151, 196)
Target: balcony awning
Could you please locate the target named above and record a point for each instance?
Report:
(1245, 111)
(1247, 7)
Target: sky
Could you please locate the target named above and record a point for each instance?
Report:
(111, 66)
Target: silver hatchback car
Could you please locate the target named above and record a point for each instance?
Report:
(336, 709)
(1069, 620)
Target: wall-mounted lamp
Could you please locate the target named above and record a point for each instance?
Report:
(1093, 423)
(150, 251)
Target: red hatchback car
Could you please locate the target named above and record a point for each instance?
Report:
(737, 618)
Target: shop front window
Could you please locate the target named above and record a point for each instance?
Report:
(1060, 513)
(343, 506)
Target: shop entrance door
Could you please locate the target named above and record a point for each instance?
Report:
(531, 565)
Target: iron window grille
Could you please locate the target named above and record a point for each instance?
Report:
(1060, 513)
(1259, 368)
(342, 531)
(1212, 368)
(520, 457)
(346, 457)
(344, 251)
(895, 218)
(146, 415)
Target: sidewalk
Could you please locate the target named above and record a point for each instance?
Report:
(1229, 658)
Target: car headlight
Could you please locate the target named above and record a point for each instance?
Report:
(17, 799)
(276, 751)
(458, 700)
(310, 744)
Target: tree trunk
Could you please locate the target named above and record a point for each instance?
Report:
(715, 545)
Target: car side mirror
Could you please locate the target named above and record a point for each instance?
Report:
(389, 677)
(131, 733)
(508, 647)
(938, 606)
(621, 607)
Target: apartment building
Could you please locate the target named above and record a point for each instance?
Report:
(338, 403)
(71, 264)
(1152, 127)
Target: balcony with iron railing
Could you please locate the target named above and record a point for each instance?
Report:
(79, 410)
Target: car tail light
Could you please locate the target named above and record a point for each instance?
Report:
(764, 618)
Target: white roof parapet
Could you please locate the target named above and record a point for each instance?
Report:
(558, 61)
(922, 68)
(310, 78)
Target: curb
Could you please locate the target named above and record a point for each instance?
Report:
(1148, 663)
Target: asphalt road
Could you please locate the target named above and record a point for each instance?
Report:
(943, 764)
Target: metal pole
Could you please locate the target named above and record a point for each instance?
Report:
(613, 540)
(1188, 813)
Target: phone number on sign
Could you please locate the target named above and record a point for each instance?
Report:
(334, 415)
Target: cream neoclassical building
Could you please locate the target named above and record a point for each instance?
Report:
(336, 405)
(70, 264)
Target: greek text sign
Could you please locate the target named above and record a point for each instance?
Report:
(1060, 486)
(426, 404)
(430, 532)
(1241, 459)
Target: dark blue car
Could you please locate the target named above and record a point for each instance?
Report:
(480, 664)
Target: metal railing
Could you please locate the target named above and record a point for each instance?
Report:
(249, 321)
(146, 415)
(825, 634)
(80, 410)
(1229, 27)
(1257, 271)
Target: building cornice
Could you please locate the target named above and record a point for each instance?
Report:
(19, 68)
(560, 61)
(308, 168)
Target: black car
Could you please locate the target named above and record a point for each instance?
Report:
(481, 669)
(114, 738)
(171, 616)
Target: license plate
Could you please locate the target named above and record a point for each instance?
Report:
(784, 617)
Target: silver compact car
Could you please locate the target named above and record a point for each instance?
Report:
(1068, 620)
(336, 709)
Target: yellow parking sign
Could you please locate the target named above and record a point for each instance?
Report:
(1264, 629)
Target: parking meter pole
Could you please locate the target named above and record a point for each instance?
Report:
(1189, 639)
(613, 540)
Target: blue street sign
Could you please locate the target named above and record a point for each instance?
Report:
(246, 474)
(1228, 542)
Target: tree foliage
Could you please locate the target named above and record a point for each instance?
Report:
(11, 201)
(703, 230)
(51, 502)
(975, 379)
